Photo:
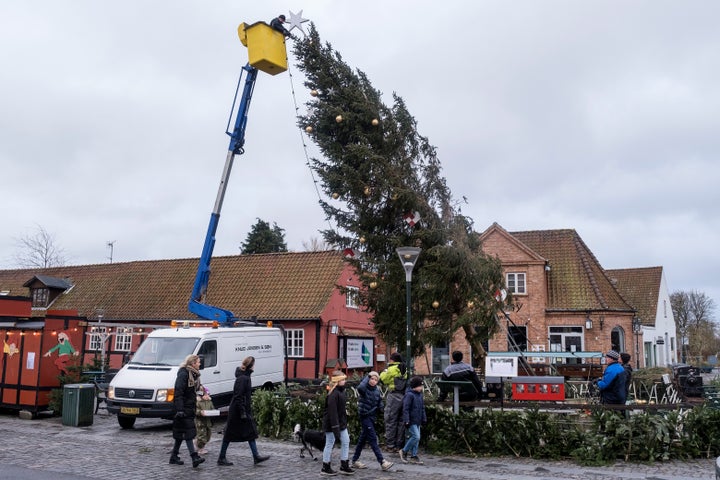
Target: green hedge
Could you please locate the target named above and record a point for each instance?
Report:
(601, 437)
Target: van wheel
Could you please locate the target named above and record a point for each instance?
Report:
(126, 422)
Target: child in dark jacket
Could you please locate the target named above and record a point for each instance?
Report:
(369, 405)
(413, 416)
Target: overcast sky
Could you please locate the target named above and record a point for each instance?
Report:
(599, 116)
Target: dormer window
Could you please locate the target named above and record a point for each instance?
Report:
(40, 297)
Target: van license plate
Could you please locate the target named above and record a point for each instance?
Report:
(130, 410)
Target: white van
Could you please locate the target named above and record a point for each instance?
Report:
(144, 387)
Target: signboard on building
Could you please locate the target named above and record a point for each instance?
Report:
(360, 352)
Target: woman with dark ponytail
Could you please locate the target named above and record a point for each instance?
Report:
(241, 425)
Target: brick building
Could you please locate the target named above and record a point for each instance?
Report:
(562, 301)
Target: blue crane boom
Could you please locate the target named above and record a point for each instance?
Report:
(237, 141)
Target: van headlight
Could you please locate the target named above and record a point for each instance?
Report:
(111, 392)
(162, 395)
(165, 395)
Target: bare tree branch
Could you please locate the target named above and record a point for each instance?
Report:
(39, 250)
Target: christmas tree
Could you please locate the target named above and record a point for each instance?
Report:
(384, 190)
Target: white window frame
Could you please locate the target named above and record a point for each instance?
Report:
(123, 339)
(96, 338)
(352, 297)
(513, 286)
(295, 341)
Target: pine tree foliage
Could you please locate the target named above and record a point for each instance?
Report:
(375, 168)
(263, 239)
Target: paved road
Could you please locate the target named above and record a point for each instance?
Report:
(44, 449)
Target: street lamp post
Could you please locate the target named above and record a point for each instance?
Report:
(408, 258)
(637, 328)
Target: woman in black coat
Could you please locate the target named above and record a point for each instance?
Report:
(240, 424)
(187, 384)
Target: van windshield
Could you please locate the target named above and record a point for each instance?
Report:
(164, 351)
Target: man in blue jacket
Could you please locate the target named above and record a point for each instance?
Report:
(612, 383)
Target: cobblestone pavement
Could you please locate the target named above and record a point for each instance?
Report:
(103, 450)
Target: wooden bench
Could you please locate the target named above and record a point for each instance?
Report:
(456, 387)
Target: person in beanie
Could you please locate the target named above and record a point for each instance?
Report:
(335, 425)
(413, 417)
(240, 425)
(369, 404)
(277, 24)
(612, 383)
(187, 384)
(394, 378)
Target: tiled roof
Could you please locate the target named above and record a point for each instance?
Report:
(576, 281)
(269, 286)
(641, 288)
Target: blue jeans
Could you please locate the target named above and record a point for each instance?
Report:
(368, 435)
(330, 442)
(411, 446)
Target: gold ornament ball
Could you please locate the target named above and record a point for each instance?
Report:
(367, 191)
(335, 196)
(314, 93)
(436, 304)
(394, 197)
(308, 129)
(375, 122)
(373, 285)
(471, 304)
(362, 239)
(339, 119)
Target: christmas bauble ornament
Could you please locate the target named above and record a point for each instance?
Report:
(394, 197)
(339, 119)
(470, 304)
(361, 239)
(335, 195)
(308, 129)
(375, 122)
(367, 191)
(314, 93)
(436, 304)
(373, 285)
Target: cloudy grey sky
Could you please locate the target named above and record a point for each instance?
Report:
(600, 116)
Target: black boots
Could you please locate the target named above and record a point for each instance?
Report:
(222, 461)
(345, 468)
(175, 460)
(260, 458)
(327, 470)
(197, 459)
